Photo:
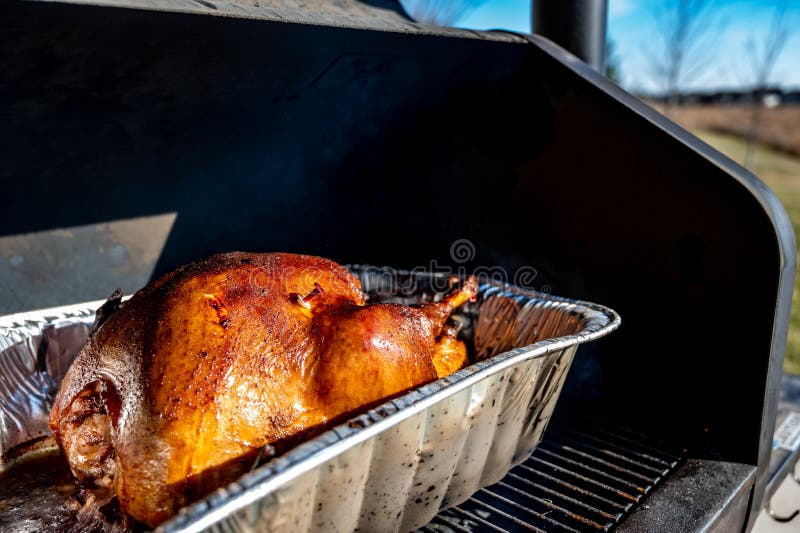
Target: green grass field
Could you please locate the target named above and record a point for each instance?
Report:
(782, 173)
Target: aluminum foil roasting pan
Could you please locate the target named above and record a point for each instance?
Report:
(390, 469)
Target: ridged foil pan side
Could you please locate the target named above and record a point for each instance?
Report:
(36, 349)
(392, 468)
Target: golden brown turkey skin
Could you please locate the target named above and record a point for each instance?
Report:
(179, 389)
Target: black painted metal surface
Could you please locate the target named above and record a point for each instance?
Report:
(700, 495)
(578, 26)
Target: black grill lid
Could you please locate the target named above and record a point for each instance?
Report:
(386, 142)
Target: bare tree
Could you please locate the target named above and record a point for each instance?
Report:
(440, 12)
(684, 44)
(763, 56)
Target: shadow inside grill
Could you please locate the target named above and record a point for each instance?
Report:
(587, 474)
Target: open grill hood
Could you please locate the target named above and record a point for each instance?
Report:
(372, 139)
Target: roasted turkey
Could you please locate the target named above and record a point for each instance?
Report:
(182, 388)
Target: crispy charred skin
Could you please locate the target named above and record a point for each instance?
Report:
(179, 389)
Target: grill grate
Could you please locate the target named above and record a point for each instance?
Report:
(585, 476)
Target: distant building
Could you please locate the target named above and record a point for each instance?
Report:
(772, 97)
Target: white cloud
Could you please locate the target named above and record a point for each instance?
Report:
(620, 8)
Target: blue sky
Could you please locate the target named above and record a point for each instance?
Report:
(631, 27)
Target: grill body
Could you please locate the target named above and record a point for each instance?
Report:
(386, 142)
